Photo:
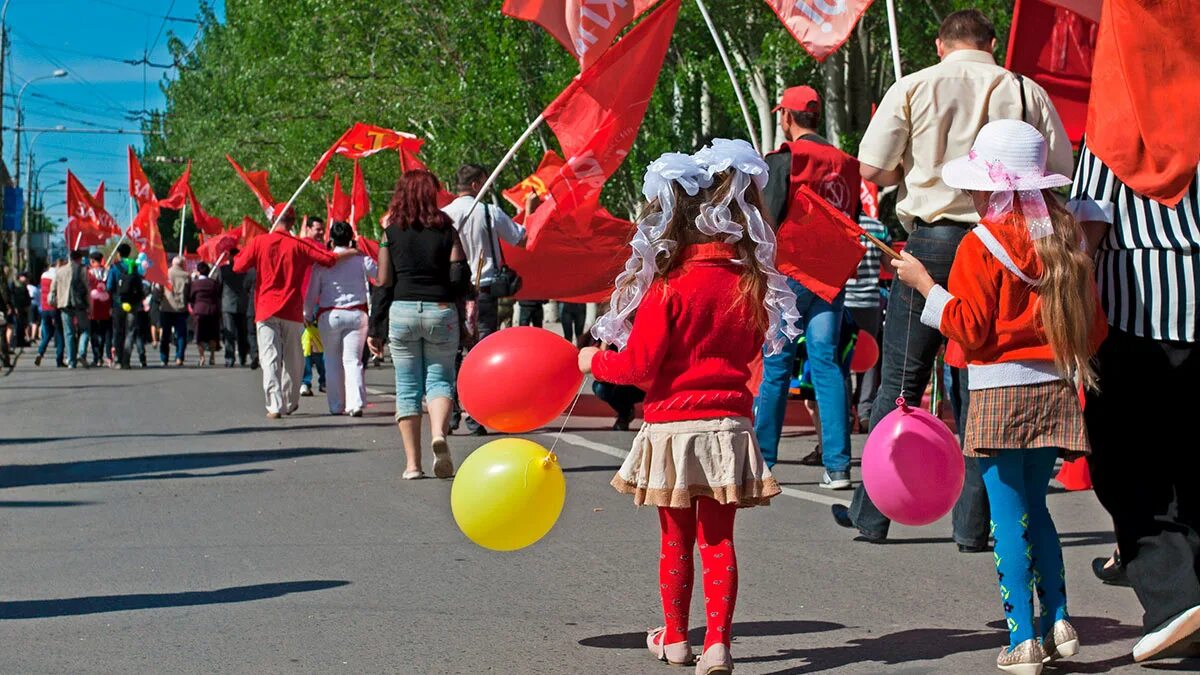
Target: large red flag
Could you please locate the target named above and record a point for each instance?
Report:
(143, 232)
(88, 224)
(339, 203)
(217, 248)
(597, 117)
(360, 202)
(257, 182)
(99, 195)
(586, 28)
(1054, 47)
(364, 140)
(820, 26)
(248, 230)
(210, 225)
(177, 197)
(139, 185)
(819, 247)
(574, 260)
(410, 162)
(537, 183)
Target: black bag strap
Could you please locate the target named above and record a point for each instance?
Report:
(497, 252)
(1021, 86)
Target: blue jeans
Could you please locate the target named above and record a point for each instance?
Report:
(174, 325)
(314, 360)
(52, 328)
(908, 350)
(423, 337)
(822, 329)
(76, 332)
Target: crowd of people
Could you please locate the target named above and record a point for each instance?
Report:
(999, 275)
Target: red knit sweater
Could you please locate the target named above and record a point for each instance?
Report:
(692, 342)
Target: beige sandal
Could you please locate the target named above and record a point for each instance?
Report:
(715, 660)
(675, 654)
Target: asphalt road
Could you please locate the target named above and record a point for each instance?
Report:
(155, 521)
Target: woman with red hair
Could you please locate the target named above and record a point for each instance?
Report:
(422, 272)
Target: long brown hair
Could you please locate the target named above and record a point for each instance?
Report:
(414, 202)
(1067, 293)
(752, 287)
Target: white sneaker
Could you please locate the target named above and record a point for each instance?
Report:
(838, 480)
(306, 390)
(1184, 625)
(443, 465)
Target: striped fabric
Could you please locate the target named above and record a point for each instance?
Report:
(863, 290)
(1147, 267)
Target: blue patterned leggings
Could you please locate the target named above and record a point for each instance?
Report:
(1028, 553)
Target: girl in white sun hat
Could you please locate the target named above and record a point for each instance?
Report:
(1022, 303)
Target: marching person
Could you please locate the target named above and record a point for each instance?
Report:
(924, 120)
(281, 261)
(337, 302)
(100, 312)
(312, 230)
(69, 289)
(173, 313)
(699, 297)
(51, 327)
(235, 301)
(128, 291)
(204, 301)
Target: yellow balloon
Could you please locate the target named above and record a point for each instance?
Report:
(508, 494)
(127, 307)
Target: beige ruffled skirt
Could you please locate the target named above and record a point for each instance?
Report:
(672, 462)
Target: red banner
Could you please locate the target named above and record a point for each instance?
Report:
(143, 232)
(217, 248)
(818, 245)
(139, 185)
(360, 202)
(410, 162)
(177, 197)
(88, 224)
(868, 194)
(364, 140)
(575, 261)
(207, 224)
(1054, 47)
(99, 196)
(537, 183)
(248, 230)
(597, 117)
(586, 28)
(338, 207)
(257, 181)
(820, 26)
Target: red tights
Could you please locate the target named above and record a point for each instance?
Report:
(711, 523)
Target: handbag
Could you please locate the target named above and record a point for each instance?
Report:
(506, 281)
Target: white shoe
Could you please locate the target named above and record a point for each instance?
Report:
(306, 390)
(357, 412)
(1184, 625)
(443, 465)
(413, 475)
(1061, 643)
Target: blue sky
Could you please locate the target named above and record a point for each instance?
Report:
(88, 38)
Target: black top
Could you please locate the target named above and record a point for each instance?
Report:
(421, 262)
(776, 195)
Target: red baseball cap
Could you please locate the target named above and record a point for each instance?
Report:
(801, 99)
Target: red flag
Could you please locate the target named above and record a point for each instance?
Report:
(207, 224)
(339, 203)
(820, 26)
(257, 182)
(368, 246)
(820, 247)
(139, 185)
(88, 224)
(364, 140)
(410, 162)
(575, 260)
(178, 195)
(537, 183)
(360, 202)
(1054, 47)
(248, 230)
(597, 117)
(99, 196)
(868, 194)
(143, 232)
(217, 247)
(586, 28)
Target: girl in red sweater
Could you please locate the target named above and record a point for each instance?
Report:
(1022, 303)
(702, 280)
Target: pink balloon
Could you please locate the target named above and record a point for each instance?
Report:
(912, 467)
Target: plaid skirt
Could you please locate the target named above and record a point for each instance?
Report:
(1024, 417)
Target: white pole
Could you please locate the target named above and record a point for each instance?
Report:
(737, 88)
(217, 264)
(132, 215)
(512, 152)
(891, 10)
(279, 216)
(182, 224)
(78, 238)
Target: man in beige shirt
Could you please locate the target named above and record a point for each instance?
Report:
(924, 120)
(173, 313)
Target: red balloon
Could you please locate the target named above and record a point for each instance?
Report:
(866, 353)
(519, 379)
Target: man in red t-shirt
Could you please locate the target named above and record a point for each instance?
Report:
(282, 261)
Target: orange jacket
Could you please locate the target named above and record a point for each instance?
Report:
(991, 307)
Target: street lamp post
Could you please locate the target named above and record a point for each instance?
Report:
(29, 191)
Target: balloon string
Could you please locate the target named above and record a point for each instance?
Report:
(550, 452)
(900, 402)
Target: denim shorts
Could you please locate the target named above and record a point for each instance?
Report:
(423, 337)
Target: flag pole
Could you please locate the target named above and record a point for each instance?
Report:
(737, 88)
(182, 225)
(891, 11)
(217, 264)
(279, 216)
(78, 238)
(512, 152)
(124, 234)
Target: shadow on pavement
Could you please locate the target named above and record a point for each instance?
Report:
(99, 604)
(696, 635)
(918, 644)
(152, 467)
(40, 504)
(1096, 630)
(1068, 539)
(267, 428)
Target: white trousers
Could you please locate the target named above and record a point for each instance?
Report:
(344, 333)
(282, 361)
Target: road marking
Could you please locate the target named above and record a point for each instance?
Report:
(580, 441)
(380, 392)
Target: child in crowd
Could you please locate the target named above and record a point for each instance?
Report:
(1022, 304)
(314, 359)
(702, 280)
